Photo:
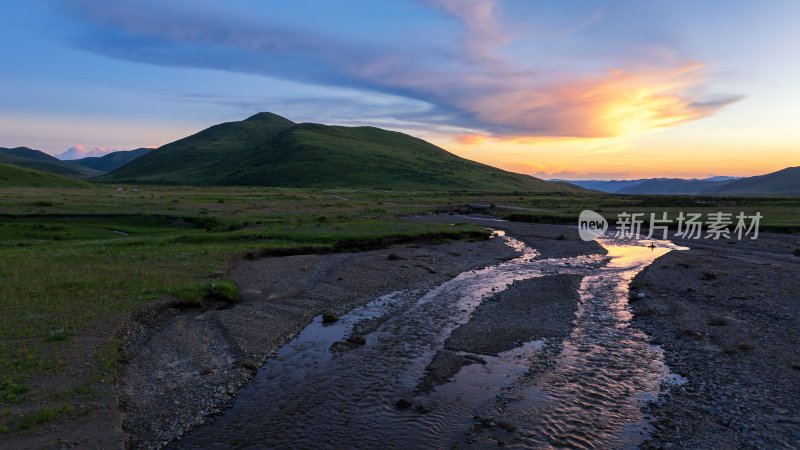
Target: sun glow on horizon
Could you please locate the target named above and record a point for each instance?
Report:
(638, 155)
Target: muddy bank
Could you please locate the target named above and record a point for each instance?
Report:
(727, 315)
(529, 310)
(190, 364)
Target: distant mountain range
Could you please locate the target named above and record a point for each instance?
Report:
(39, 160)
(620, 186)
(671, 186)
(786, 181)
(111, 161)
(270, 150)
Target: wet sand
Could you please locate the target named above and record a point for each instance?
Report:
(530, 310)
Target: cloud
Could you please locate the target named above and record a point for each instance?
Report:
(470, 86)
(79, 151)
(615, 103)
(483, 29)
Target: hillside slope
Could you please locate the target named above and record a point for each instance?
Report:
(786, 181)
(269, 150)
(39, 160)
(15, 176)
(111, 161)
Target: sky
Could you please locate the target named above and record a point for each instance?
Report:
(579, 89)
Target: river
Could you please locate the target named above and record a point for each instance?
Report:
(590, 396)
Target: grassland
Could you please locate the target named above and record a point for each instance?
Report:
(74, 263)
(780, 213)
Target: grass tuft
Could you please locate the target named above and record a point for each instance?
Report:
(11, 392)
(221, 290)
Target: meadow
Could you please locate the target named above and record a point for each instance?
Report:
(76, 263)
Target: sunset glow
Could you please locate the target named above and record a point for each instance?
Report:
(600, 89)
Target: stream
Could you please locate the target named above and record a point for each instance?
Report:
(590, 396)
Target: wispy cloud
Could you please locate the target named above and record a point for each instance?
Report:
(483, 28)
(473, 85)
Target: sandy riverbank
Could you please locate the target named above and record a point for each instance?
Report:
(727, 315)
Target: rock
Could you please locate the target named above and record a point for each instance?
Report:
(403, 404)
(250, 365)
(506, 426)
(357, 340)
(341, 346)
(329, 318)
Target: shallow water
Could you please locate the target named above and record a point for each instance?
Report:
(590, 397)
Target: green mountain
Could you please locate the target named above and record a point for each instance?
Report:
(111, 161)
(16, 176)
(36, 159)
(786, 181)
(269, 150)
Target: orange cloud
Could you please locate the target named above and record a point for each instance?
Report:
(470, 139)
(617, 103)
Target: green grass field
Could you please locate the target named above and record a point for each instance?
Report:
(74, 262)
(780, 213)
